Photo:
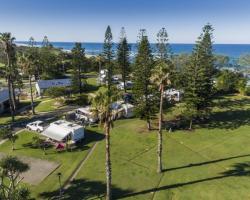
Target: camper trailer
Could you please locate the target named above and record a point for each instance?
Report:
(63, 131)
(86, 115)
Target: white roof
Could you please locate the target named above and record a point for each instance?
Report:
(4, 95)
(58, 130)
(44, 84)
(127, 105)
(86, 109)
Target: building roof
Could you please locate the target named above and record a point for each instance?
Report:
(44, 84)
(4, 95)
(58, 130)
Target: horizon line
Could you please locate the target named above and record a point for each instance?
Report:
(188, 43)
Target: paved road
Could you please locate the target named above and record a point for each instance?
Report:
(43, 116)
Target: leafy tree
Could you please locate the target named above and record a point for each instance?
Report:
(123, 57)
(143, 88)
(198, 91)
(78, 63)
(46, 42)
(6, 133)
(226, 81)
(244, 60)
(7, 42)
(108, 55)
(161, 77)
(39, 143)
(10, 170)
(242, 86)
(221, 61)
(56, 92)
(27, 65)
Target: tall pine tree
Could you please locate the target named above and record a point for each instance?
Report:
(161, 77)
(108, 55)
(198, 90)
(78, 63)
(143, 88)
(123, 57)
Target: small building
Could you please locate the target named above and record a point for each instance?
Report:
(64, 131)
(4, 99)
(42, 85)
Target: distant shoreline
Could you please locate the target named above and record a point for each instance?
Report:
(234, 51)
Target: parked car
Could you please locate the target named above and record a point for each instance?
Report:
(36, 126)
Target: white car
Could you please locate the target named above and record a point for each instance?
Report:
(35, 126)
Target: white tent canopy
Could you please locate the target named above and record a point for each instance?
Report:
(60, 129)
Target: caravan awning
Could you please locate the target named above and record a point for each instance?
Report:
(56, 133)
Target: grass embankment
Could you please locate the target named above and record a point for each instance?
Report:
(68, 160)
(211, 162)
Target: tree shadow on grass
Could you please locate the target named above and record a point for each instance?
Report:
(238, 170)
(205, 163)
(84, 189)
(229, 103)
(90, 137)
(228, 120)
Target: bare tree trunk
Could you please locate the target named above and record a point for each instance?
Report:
(31, 96)
(80, 81)
(13, 145)
(159, 151)
(191, 124)
(108, 160)
(148, 124)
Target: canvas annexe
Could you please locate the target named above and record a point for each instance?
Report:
(63, 131)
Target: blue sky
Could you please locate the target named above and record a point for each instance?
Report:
(86, 20)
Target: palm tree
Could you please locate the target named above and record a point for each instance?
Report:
(26, 64)
(160, 77)
(7, 42)
(6, 133)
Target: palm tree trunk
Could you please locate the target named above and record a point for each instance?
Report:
(80, 81)
(13, 95)
(159, 151)
(31, 96)
(10, 101)
(13, 145)
(108, 160)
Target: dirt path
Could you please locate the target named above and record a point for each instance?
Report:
(73, 176)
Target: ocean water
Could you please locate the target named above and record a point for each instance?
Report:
(231, 50)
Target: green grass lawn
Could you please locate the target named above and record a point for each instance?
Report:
(46, 105)
(68, 160)
(211, 162)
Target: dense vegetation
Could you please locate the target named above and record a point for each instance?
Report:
(202, 76)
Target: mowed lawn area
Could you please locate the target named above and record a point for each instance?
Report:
(68, 161)
(212, 162)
